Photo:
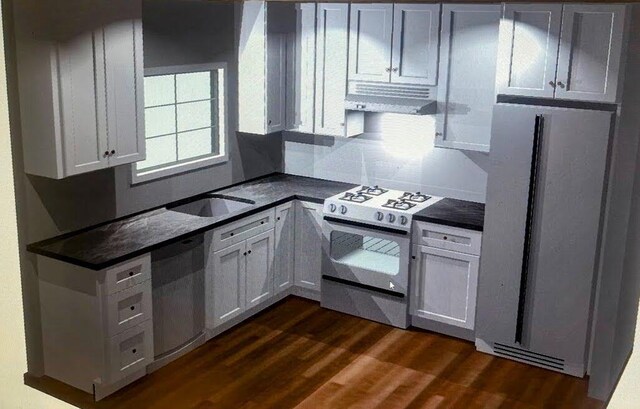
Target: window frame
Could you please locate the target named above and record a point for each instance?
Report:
(223, 125)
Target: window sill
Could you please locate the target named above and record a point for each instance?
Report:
(142, 177)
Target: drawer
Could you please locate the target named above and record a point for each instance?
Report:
(241, 230)
(128, 308)
(447, 238)
(128, 274)
(130, 351)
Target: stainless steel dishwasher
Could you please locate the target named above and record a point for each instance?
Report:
(177, 277)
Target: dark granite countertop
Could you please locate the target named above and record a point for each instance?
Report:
(455, 213)
(111, 243)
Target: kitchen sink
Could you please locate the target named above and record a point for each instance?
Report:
(212, 206)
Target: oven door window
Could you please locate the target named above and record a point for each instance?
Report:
(366, 252)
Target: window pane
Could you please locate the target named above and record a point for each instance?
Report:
(159, 90)
(195, 143)
(160, 120)
(160, 151)
(194, 115)
(193, 86)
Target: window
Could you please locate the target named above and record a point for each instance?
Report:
(185, 120)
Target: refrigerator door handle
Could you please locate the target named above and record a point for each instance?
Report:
(533, 179)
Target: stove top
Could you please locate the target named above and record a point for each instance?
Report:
(378, 206)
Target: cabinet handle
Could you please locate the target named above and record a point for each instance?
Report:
(244, 254)
(388, 69)
(113, 152)
(262, 222)
(553, 84)
(278, 219)
(133, 308)
(130, 273)
(231, 234)
(413, 257)
(395, 69)
(106, 154)
(446, 238)
(560, 84)
(249, 251)
(134, 350)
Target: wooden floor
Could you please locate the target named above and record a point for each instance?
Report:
(297, 355)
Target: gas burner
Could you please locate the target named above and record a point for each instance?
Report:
(398, 204)
(414, 197)
(356, 198)
(374, 191)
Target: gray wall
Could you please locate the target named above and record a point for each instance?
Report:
(396, 152)
(175, 32)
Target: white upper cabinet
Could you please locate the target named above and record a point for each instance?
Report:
(81, 90)
(415, 44)
(370, 42)
(394, 43)
(590, 51)
(466, 90)
(332, 41)
(566, 52)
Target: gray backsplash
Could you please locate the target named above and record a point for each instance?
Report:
(397, 152)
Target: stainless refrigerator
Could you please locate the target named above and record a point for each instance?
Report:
(545, 194)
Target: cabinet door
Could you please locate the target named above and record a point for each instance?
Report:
(308, 245)
(589, 59)
(528, 55)
(370, 29)
(444, 286)
(466, 93)
(276, 87)
(301, 54)
(415, 44)
(331, 68)
(284, 242)
(259, 270)
(124, 77)
(83, 105)
(229, 283)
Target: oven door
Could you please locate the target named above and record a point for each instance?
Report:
(368, 256)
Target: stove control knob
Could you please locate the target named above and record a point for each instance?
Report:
(391, 218)
(332, 208)
(379, 216)
(343, 209)
(404, 220)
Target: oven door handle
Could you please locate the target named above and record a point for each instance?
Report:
(366, 226)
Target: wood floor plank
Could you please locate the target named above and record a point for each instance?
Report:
(299, 355)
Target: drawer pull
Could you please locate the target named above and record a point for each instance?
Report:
(262, 222)
(446, 238)
(231, 234)
(413, 257)
(134, 350)
(249, 251)
(133, 307)
(130, 273)
(245, 253)
(278, 218)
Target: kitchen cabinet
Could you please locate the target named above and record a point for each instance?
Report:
(466, 90)
(284, 247)
(444, 274)
(261, 71)
(108, 341)
(332, 40)
(239, 267)
(564, 52)
(308, 245)
(395, 43)
(81, 90)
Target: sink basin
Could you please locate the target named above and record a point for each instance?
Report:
(213, 206)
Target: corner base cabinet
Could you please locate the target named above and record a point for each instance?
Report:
(444, 274)
(97, 327)
(308, 246)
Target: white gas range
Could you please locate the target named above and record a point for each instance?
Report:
(366, 252)
(377, 206)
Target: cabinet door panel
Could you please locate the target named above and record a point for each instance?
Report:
(589, 59)
(370, 42)
(82, 86)
(229, 283)
(528, 55)
(331, 68)
(284, 250)
(259, 270)
(124, 87)
(308, 245)
(466, 93)
(415, 44)
(276, 87)
(445, 286)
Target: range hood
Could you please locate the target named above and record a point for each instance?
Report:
(393, 98)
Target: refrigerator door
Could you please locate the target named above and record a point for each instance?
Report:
(564, 232)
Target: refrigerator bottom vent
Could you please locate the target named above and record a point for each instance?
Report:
(545, 361)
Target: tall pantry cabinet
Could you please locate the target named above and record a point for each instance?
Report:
(80, 80)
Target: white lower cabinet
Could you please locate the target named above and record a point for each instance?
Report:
(229, 285)
(308, 245)
(444, 281)
(97, 326)
(259, 269)
(284, 247)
